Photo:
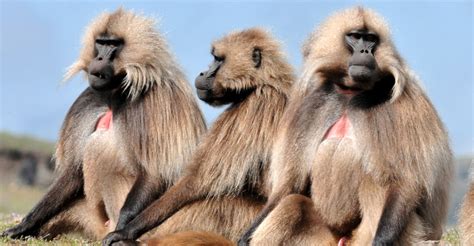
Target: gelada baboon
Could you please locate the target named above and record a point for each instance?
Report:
(362, 140)
(466, 217)
(226, 183)
(125, 139)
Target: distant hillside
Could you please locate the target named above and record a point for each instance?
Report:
(25, 143)
(25, 160)
(459, 186)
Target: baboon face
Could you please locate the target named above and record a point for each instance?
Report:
(235, 69)
(101, 70)
(122, 52)
(213, 92)
(352, 53)
(362, 65)
(361, 70)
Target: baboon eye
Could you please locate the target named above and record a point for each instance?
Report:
(110, 41)
(371, 38)
(355, 35)
(257, 57)
(218, 58)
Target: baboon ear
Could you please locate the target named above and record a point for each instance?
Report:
(257, 57)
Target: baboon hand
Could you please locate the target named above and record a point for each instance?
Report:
(18, 231)
(126, 243)
(244, 240)
(117, 238)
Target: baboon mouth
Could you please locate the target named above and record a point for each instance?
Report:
(202, 92)
(205, 95)
(346, 90)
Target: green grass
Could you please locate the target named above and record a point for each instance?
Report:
(451, 237)
(16, 201)
(7, 221)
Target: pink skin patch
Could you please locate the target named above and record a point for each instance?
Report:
(344, 241)
(347, 88)
(105, 122)
(340, 129)
(107, 223)
(346, 92)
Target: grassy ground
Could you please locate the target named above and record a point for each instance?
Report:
(451, 237)
(6, 221)
(18, 200)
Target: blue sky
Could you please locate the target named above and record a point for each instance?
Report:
(39, 39)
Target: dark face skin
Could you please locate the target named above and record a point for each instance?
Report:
(213, 93)
(362, 67)
(101, 73)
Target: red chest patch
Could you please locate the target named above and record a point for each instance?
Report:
(105, 122)
(340, 129)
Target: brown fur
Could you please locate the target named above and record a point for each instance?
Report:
(190, 238)
(466, 216)
(226, 184)
(294, 222)
(154, 132)
(212, 215)
(399, 149)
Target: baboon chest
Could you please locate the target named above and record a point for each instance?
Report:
(336, 174)
(105, 152)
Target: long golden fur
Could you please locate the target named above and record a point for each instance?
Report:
(152, 73)
(156, 127)
(226, 183)
(158, 130)
(398, 148)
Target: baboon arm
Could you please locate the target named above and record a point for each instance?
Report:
(144, 191)
(67, 188)
(395, 217)
(170, 202)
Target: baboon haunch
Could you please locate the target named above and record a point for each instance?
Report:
(125, 139)
(226, 183)
(362, 140)
(189, 238)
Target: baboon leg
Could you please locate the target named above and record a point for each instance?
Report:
(228, 217)
(414, 233)
(372, 200)
(78, 218)
(466, 217)
(294, 221)
(114, 197)
(105, 189)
